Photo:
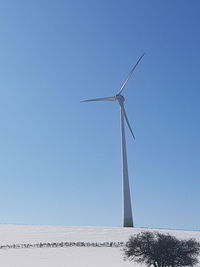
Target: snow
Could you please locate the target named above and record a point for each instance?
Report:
(70, 256)
(58, 257)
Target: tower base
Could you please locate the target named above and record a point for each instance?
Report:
(128, 222)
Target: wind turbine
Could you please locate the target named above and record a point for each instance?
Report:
(126, 197)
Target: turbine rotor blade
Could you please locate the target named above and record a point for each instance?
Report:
(126, 118)
(109, 98)
(129, 76)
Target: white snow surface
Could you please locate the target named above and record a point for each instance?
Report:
(70, 256)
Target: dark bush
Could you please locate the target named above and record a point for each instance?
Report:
(161, 250)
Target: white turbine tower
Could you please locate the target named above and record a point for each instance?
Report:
(126, 197)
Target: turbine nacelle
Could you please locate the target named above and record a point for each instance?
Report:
(120, 98)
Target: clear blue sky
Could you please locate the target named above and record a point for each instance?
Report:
(59, 159)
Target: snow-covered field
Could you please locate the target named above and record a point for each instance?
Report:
(69, 256)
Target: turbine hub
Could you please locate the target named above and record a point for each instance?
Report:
(120, 97)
